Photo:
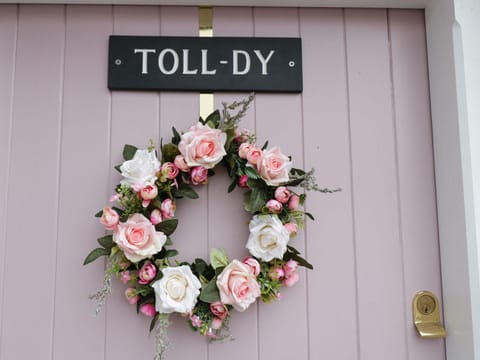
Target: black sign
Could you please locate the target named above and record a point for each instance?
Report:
(205, 64)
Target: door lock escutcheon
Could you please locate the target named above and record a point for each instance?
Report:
(426, 315)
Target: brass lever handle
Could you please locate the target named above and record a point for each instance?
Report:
(426, 315)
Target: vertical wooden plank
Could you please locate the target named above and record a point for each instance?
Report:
(85, 170)
(329, 239)
(134, 121)
(279, 120)
(32, 198)
(228, 221)
(8, 40)
(181, 110)
(415, 168)
(381, 306)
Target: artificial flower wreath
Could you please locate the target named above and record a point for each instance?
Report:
(142, 222)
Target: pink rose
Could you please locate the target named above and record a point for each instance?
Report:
(237, 286)
(253, 155)
(169, 170)
(203, 146)
(253, 264)
(109, 218)
(294, 202)
(291, 280)
(199, 175)
(181, 164)
(148, 309)
(273, 167)
(156, 216)
(290, 267)
(282, 194)
(216, 323)
(274, 206)
(138, 238)
(147, 273)
(242, 181)
(218, 309)
(243, 149)
(291, 228)
(149, 192)
(131, 297)
(276, 274)
(168, 208)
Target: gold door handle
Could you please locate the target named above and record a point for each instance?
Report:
(426, 315)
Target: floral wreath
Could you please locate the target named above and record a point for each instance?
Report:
(138, 250)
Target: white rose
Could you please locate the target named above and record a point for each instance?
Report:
(141, 170)
(268, 237)
(177, 290)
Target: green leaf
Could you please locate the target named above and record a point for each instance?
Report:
(265, 145)
(171, 253)
(118, 168)
(232, 186)
(99, 214)
(106, 241)
(292, 249)
(199, 266)
(218, 258)
(95, 254)
(169, 152)
(152, 323)
(187, 191)
(129, 152)
(251, 173)
(301, 261)
(214, 119)
(257, 200)
(176, 136)
(309, 215)
(167, 226)
(169, 241)
(209, 293)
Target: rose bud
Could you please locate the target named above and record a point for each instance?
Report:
(196, 321)
(274, 206)
(253, 155)
(147, 273)
(276, 274)
(291, 280)
(181, 164)
(168, 208)
(148, 310)
(125, 277)
(242, 181)
(252, 264)
(156, 217)
(282, 194)
(149, 192)
(169, 170)
(131, 298)
(243, 149)
(109, 218)
(216, 323)
(293, 202)
(290, 267)
(219, 310)
(199, 175)
(291, 228)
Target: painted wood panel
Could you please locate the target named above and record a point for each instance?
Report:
(30, 253)
(362, 121)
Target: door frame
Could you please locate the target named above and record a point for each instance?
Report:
(451, 27)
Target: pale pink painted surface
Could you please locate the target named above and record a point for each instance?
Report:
(362, 121)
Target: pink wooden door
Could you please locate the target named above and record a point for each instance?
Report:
(362, 121)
